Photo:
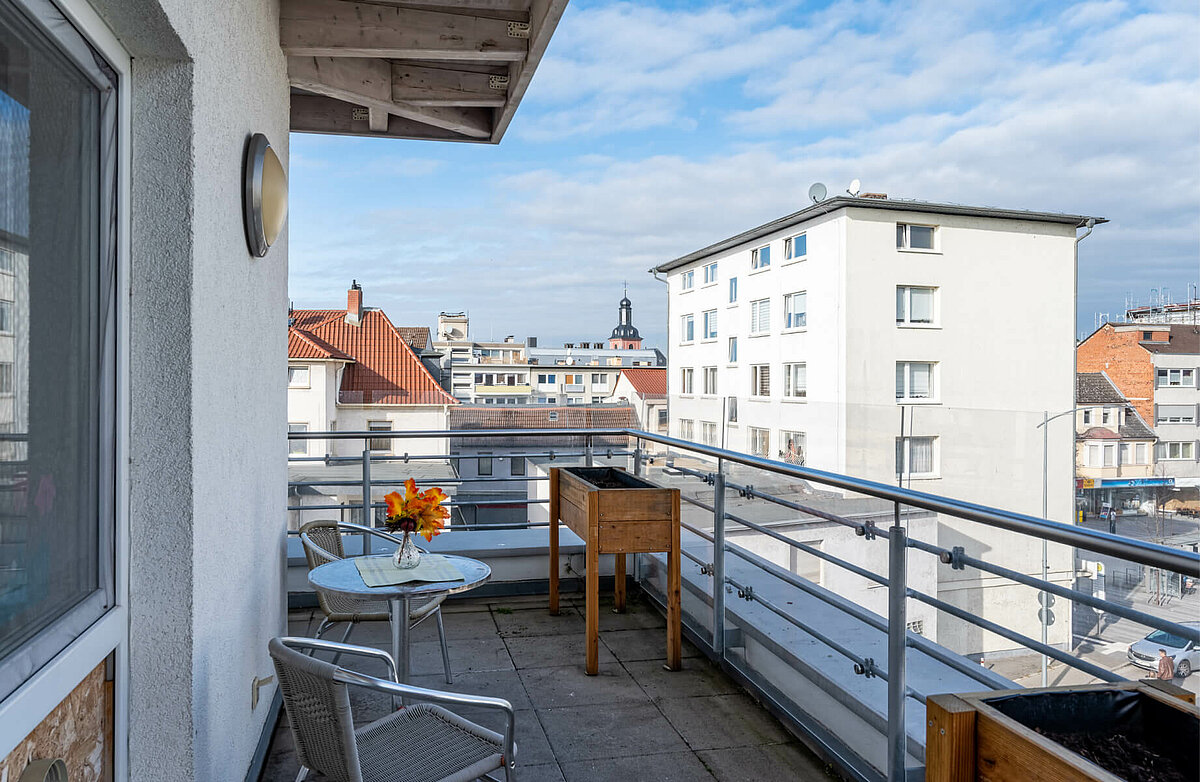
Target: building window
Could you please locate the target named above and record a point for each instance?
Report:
(795, 381)
(1126, 453)
(297, 447)
(1175, 414)
(760, 442)
(1110, 455)
(662, 418)
(1106, 416)
(733, 350)
(710, 381)
(710, 273)
(298, 377)
(6, 324)
(731, 409)
(547, 379)
(710, 324)
(380, 443)
(1177, 450)
(915, 237)
(574, 400)
(58, 213)
(552, 415)
(687, 328)
(795, 247)
(792, 446)
(1087, 416)
(686, 376)
(733, 290)
(485, 464)
(914, 306)
(573, 379)
(687, 429)
(914, 380)
(708, 433)
(688, 279)
(760, 316)
(1174, 378)
(599, 379)
(916, 457)
(760, 258)
(516, 466)
(795, 310)
(1141, 453)
(760, 380)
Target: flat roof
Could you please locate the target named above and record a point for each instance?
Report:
(892, 204)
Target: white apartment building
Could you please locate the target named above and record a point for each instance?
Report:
(888, 340)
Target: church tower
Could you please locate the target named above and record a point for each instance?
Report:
(625, 336)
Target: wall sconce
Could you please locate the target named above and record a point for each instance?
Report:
(264, 195)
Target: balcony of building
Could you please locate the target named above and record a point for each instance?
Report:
(815, 622)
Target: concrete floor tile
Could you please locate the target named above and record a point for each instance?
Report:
(634, 645)
(546, 772)
(569, 686)
(492, 684)
(698, 677)
(668, 767)
(608, 731)
(773, 761)
(718, 721)
(528, 622)
(548, 651)
(466, 655)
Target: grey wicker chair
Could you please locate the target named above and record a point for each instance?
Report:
(422, 742)
(323, 543)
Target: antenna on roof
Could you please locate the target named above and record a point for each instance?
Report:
(855, 186)
(817, 192)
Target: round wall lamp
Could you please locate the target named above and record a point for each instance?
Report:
(264, 195)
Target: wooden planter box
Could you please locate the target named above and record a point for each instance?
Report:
(1037, 734)
(616, 513)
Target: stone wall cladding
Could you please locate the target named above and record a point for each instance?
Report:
(79, 730)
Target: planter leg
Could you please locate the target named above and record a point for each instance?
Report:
(593, 607)
(674, 606)
(619, 583)
(553, 587)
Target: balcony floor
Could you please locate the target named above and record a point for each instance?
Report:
(633, 721)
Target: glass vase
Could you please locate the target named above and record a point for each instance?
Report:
(407, 555)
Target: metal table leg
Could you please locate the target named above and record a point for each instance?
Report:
(401, 610)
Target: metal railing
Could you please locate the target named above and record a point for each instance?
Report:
(904, 504)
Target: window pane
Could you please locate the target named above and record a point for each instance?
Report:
(921, 455)
(56, 278)
(899, 235)
(920, 237)
(901, 304)
(900, 385)
(920, 380)
(800, 246)
(922, 305)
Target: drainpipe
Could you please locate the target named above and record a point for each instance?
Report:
(654, 274)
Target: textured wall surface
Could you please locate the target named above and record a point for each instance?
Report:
(1127, 364)
(79, 731)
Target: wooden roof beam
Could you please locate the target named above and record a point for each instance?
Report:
(543, 19)
(339, 28)
(367, 82)
(321, 114)
(421, 86)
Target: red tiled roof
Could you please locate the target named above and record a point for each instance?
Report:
(385, 369)
(1100, 433)
(301, 344)
(648, 382)
(416, 336)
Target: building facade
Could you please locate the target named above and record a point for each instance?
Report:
(857, 336)
(1157, 368)
(1114, 462)
(644, 388)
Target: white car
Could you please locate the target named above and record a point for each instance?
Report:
(1144, 653)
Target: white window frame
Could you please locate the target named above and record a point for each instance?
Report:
(799, 442)
(687, 280)
(513, 468)
(733, 290)
(710, 274)
(758, 441)
(1161, 415)
(1142, 453)
(760, 378)
(760, 260)
(708, 433)
(687, 381)
(709, 322)
(904, 240)
(789, 246)
(7, 378)
(687, 329)
(906, 322)
(731, 351)
(759, 318)
(687, 429)
(795, 321)
(906, 449)
(6, 316)
(710, 381)
(906, 398)
(795, 381)
(483, 465)
(297, 447)
(1185, 450)
(307, 368)
(1187, 377)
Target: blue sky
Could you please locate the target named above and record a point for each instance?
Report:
(651, 130)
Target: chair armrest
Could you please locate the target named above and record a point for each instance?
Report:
(376, 532)
(346, 676)
(318, 550)
(316, 644)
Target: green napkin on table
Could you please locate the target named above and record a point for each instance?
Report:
(379, 571)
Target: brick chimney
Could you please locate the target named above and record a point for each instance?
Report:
(354, 307)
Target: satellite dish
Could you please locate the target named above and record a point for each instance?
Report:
(855, 186)
(817, 192)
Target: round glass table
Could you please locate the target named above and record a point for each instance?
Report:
(342, 578)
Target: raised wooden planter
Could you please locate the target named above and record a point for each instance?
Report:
(1132, 730)
(616, 513)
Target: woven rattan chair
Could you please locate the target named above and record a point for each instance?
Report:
(323, 543)
(421, 742)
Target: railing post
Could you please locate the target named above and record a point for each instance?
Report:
(637, 458)
(718, 568)
(897, 642)
(368, 521)
(589, 456)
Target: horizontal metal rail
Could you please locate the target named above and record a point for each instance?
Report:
(450, 504)
(423, 481)
(443, 457)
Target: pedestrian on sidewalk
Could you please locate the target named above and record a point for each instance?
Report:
(1166, 666)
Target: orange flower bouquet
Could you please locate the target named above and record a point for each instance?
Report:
(414, 513)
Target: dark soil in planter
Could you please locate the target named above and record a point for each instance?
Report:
(609, 478)
(1127, 757)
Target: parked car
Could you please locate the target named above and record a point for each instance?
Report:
(1144, 653)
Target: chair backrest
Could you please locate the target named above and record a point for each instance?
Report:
(318, 710)
(325, 534)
